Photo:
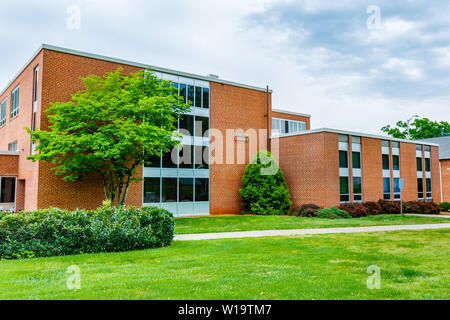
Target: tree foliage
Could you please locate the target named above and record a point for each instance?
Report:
(419, 129)
(265, 192)
(108, 127)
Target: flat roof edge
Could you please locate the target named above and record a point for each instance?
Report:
(292, 113)
(9, 153)
(353, 133)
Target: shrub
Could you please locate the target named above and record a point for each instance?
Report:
(423, 207)
(445, 206)
(355, 210)
(305, 210)
(333, 213)
(264, 190)
(55, 232)
(390, 207)
(373, 208)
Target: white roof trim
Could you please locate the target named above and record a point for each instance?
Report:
(9, 153)
(353, 133)
(131, 63)
(292, 113)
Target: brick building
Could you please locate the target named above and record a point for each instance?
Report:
(322, 166)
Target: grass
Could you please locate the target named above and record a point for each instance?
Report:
(247, 223)
(414, 265)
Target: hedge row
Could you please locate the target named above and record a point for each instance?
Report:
(55, 232)
(357, 210)
(445, 206)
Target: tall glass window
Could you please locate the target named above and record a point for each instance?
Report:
(285, 126)
(202, 189)
(387, 188)
(419, 164)
(357, 189)
(15, 103)
(3, 107)
(397, 192)
(186, 189)
(187, 157)
(343, 159)
(152, 190)
(420, 188)
(7, 190)
(169, 190)
(205, 98)
(386, 162)
(344, 189)
(428, 189)
(356, 160)
(427, 165)
(201, 126)
(396, 162)
(187, 124)
(191, 92)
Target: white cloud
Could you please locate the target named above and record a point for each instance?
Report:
(407, 68)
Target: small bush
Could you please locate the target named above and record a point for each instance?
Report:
(423, 207)
(55, 232)
(390, 207)
(305, 210)
(333, 213)
(445, 206)
(355, 210)
(264, 190)
(373, 208)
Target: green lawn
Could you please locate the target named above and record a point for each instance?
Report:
(414, 265)
(246, 223)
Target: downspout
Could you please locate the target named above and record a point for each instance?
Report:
(268, 121)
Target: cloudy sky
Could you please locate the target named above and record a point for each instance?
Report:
(332, 59)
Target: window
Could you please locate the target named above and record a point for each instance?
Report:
(395, 145)
(169, 189)
(396, 162)
(167, 161)
(152, 190)
(7, 190)
(201, 157)
(3, 112)
(343, 138)
(201, 126)
(190, 95)
(284, 126)
(385, 144)
(428, 189)
(419, 164)
(187, 157)
(356, 160)
(420, 188)
(183, 91)
(201, 189)
(427, 165)
(152, 161)
(205, 98)
(397, 191)
(418, 147)
(12, 146)
(15, 103)
(198, 96)
(357, 189)
(343, 159)
(344, 189)
(187, 125)
(427, 148)
(186, 189)
(386, 162)
(387, 188)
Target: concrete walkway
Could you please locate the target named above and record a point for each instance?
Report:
(429, 215)
(293, 232)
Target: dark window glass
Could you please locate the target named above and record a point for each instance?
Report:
(396, 185)
(187, 157)
(343, 159)
(191, 94)
(186, 189)
(428, 183)
(385, 162)
(396, 162)
(427, 165)
(201, 126)
(357, 186)
(183, 91)
(420, 188)
(205, 98)
(175, 85)
(8, 190)
(198, 96)
(286, 126)
(356, 160)
(345, 198)
(419, 164)
(386, 185)
(187, 125)
(152, 161)
(167, 161)
(427, 148)
(357, 197)
(344, 189)
(201, 157)
(201, 189)
(169, 190)
(152, 190)
(418, 147)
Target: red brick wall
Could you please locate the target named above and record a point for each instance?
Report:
(233, 108)
(276, 114)
(61, 79)
(408, 170)
(435, 176)
(445, 171)
(372, 169)
(9, 165)
(310, 164)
